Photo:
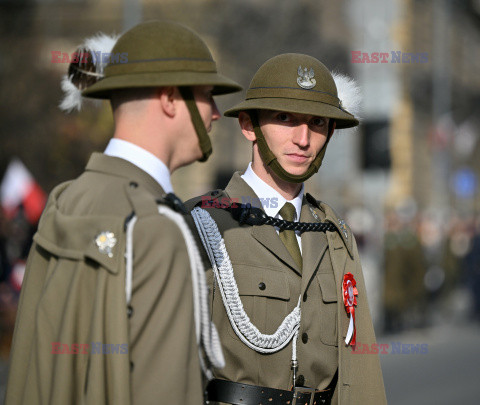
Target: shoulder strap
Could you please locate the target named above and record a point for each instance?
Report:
(331, 216)
(144, 204)
(213, 199)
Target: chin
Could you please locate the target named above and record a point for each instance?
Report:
(298, 173)
(195, 154)
(188, 160)
(296, 170)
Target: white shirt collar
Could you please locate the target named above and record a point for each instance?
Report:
(141, 158)
(272, 201)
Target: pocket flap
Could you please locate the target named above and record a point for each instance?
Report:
(327, 286)
(262, 282)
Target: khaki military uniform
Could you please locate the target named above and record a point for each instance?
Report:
(74, 293)
(270, 283)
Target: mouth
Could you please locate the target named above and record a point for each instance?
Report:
(298, 157)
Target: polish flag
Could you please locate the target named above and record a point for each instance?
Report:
(19, 187)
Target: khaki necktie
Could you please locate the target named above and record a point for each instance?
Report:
(288, 237)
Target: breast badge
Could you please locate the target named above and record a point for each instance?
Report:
(105, 242)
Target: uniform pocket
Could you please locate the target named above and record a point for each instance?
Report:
(265, 295)
(261, 282)
(328, 309)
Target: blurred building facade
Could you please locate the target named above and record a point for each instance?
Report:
(419, 150)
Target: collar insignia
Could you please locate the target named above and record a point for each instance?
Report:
(105, 242)
(343, 227)
(305, 78)
(314, 213)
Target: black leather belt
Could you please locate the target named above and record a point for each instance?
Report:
(246, 394)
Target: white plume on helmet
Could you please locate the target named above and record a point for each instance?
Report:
(99, 43)
(102, 43)
(349, 94)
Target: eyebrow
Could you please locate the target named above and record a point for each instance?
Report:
(273, 112)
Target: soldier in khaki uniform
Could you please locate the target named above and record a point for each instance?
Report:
(112, 301)
(288, 294)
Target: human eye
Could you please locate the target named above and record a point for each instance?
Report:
(283, 117)
(208, 93)
(318, 122)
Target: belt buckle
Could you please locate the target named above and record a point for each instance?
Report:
(297, 391)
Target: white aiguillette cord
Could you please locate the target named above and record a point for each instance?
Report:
(241, 324)
(206, 333)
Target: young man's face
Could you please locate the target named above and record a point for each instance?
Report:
(295, 139)
(206, 105)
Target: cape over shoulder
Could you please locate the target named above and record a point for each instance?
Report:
(74, 293)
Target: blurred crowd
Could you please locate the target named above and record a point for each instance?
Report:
(16, 234)
(431, 268)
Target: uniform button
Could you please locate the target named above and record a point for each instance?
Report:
(129, 311)
(131, 366)
(300, 381)
(304, 337)
(133, 184)
(262, 286)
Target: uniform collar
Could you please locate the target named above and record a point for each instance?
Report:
(114, 166)
(141, 158)
(271, 200)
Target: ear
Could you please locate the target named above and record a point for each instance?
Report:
(168, 97)
(247, 126)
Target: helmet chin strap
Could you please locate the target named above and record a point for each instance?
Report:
(203, 138)
(271, 160)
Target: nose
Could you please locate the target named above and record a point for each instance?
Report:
(302, 135)
(215, 111)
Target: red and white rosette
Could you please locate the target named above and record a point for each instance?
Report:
(350, 292)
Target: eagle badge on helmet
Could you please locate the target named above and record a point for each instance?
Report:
(305, 78)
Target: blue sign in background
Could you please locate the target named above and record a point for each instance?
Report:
(465, 183)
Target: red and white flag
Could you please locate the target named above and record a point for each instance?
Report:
(20, 188)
